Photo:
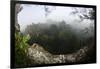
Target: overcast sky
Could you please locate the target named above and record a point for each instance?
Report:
(35, 14)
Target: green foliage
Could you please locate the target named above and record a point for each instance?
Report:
(21, 46)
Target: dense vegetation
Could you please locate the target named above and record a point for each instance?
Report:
(57, 38)
(21, 47)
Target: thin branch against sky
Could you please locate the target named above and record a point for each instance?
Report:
(41, 13)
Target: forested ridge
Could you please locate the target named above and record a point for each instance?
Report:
(56, 38)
